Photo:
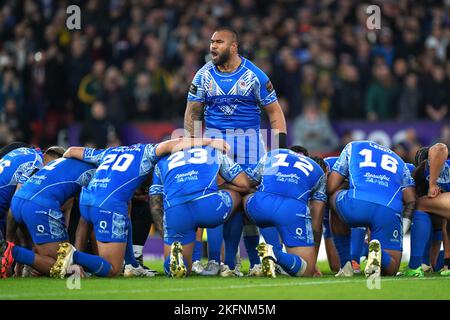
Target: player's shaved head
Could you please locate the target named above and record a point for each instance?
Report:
(231, 32)
(55, 151)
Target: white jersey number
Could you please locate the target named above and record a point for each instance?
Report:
(302, 164)
(388, 163)
(121, 163)
(177, 159)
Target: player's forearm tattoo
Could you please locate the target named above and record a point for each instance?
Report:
(157, 211)
(317, 237)
(408, 209)
(192, 116)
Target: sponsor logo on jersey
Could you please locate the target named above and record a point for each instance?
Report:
(228, 109)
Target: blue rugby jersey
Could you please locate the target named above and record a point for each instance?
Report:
(58, 181)
(186, 175)
(15, 168)
(232, 110)
(376, 174)
(289, 174)
(121, 170)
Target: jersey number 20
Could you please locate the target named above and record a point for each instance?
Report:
(121, 163)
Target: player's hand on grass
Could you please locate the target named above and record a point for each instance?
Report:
(317, 272)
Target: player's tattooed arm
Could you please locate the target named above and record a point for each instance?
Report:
(409, 206)
(74, 152)
(192, 119)
(157, 211)
(317, 209)
(409, 202)
(82, 234)
(67, 209)
(276, 117)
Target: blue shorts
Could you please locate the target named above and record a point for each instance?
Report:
(326, 224)
(209, 211)
(385, 223)
(109, 225)
(290, 216)
(44, 225)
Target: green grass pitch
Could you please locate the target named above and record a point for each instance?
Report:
(433, 287)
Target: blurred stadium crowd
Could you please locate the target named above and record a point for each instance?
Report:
(134, 61)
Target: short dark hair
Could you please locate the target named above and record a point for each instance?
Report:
(12, 146)
(230, 30)
(55, 151)
(320, 162)
(300, 149)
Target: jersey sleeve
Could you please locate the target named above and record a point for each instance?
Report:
(94, 156)
(150, 153)
(407, 180)
(264, 90)
(258, 171)
(27, 169)
(319, 192)
(342, 163)
(229, 169)
(157, 187)
(86, 177)
(196, 89)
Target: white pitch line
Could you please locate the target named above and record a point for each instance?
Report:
(75, 293)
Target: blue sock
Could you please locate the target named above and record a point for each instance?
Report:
(232, 231)
(129, 252)
(95, 264)
(23, 255)
(342, 244)
(420, 235)
(291, 263)
(271, 237)
(365, 249)
(437, 235)
(357, 243)
(440, 261)
(197, 253)
(251, 241)
(385, 259)
(215, 239)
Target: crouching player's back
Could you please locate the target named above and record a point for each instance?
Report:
(42, 205)
(290, 184)
(188, 180)
(379, 184)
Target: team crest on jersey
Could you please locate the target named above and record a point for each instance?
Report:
(243, 85)
(228, 110)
